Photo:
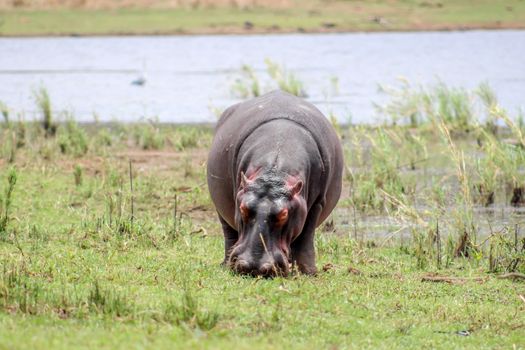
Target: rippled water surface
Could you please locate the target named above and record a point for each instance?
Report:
(188, 76)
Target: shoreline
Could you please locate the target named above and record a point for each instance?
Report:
(242, 32)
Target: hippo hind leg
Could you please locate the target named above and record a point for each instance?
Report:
(230, 238)
(303, 250)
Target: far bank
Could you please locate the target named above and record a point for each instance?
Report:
(309, 16)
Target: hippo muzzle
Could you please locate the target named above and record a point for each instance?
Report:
(259, 254)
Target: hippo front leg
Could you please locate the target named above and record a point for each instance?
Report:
(303, 250)
(230, 238)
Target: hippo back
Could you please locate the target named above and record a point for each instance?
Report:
(239, 121)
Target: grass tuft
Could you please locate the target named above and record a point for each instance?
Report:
(6, 201)
(189, 313)
(44, 105)
(108, 302)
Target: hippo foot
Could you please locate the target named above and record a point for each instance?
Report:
(307, 269)
(304, 261)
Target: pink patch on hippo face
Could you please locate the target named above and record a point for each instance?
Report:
(282, 218)
(294, 184)
(252, 172)
(244, 211)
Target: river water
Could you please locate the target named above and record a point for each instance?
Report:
(187, 77)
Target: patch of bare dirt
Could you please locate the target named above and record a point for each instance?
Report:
(118, 4)
(164, 160)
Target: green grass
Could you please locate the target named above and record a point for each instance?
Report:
(311, 15)
(387, 304)
(76, 271)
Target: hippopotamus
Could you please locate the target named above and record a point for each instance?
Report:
(274, 174)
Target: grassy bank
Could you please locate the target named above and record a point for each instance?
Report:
(425, 249)
(304, 16)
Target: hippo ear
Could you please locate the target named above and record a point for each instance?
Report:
(297, 188)
(244, 180)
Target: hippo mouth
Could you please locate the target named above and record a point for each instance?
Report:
(257, 263)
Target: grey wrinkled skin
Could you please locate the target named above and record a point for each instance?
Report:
(274, 175)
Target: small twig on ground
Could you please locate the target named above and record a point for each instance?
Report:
(450, 279)
(512, 275)
(199, 230)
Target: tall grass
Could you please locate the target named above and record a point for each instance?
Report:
(72, 139)
(286, 81)
(6, 201)
(148, 135)
(5, 112)
(249, 84)
(44, 105)
(507, 251)
(456, 107)
(18, 291)
(381, 167)
(190, 313)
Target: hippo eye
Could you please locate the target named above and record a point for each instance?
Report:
(281, 217)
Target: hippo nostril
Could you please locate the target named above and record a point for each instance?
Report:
(242, 266)
(233, 260)
(268, 269)
(274, 267)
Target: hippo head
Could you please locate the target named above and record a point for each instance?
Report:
(270, 213)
